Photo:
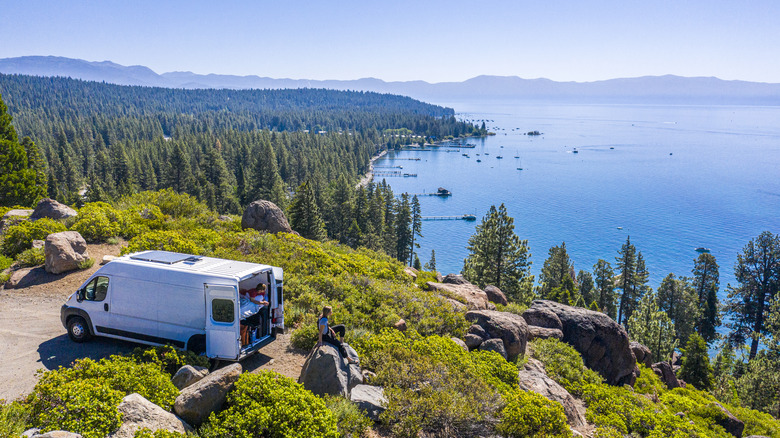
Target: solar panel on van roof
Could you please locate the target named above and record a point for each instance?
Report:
(165, 257)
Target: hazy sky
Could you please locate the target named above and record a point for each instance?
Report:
(408, 39)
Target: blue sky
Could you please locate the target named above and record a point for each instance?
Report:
(407, 40)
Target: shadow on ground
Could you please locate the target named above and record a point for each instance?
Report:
(61, 351)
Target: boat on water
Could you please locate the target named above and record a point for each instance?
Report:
(575, 151)
(612, 147)
(702, 250)
(479, 161)
(620, 228)
(487, 153)
(469, 217)
(465, 155)
(519, 168)
(499, 157)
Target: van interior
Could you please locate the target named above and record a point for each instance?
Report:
(255, 320)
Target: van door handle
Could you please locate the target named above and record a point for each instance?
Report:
(105, 307)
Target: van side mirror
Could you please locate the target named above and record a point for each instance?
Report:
(81, 293)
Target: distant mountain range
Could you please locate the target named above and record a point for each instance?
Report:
(647, 89)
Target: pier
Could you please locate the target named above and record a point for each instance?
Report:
(442, 192)
(395, 173)
(465, 217)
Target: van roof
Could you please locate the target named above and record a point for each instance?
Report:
(192, 263)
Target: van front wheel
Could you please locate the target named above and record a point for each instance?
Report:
(78, 331)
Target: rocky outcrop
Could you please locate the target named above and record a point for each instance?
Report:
(454, 279)
(197, 401)
(64, 251)
(495, 295)
(13, 216)
(732, 424)
(542, 317)
(326, 372)
(665, 372)
(602, 342)
(57, 434)
(533, 378)
(474, 297)
(52, 209)
(187, 375)
(23, 277)
(400, 325)
(38, 244)
(139, 413)
(411, 272)
(642, 353)
(511, 329)
(494, 345)
(472, 341)
(264, 215)
(369, 399)
(535, 332)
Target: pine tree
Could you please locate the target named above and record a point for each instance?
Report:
(404, 231)
(341, 212)
(605, 288)
(696, 369)
(556, 267)
(266, 182)
(677, 298)
(497, 256)
(21, 181)
(416, 214)
(758, 272)
(416, 264)
(706, 280)
(652, 327)
(723, 382)
(431, 265)
(626, 265)
(305, 215)
(585, 283)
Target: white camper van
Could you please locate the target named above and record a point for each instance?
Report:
(187, 301)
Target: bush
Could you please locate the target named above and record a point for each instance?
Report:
(98, 221)
(648, 382)
(86, 263)
(31, 257)
(5, 262)
(528, 414)
(176, 205)
(13, 419)
(162, 240)
(352, 423)
(167, 358)
(19, 237)
(305, 337)
(161, 433)
(272, 406)
(564, 365)
(517, 309)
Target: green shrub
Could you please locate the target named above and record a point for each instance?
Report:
(352, 423)
(5, 262)
(97, 221)
(517, 309)
(648, 382)
(86, 263)
(528, 414)
(564, 365)
(162, 240)
(19, 237)
(161, 433)
(176, 205)
(304, 337)
(14, 418)
(270, 405)
(84, 406)
(31, 257)
(618, 407)
(167, 358)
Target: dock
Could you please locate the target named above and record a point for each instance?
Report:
(465, 217)
(442, 192)
(395, 173)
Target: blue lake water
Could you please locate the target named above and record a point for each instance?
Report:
(678, 178)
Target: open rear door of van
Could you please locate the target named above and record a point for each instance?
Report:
(223, 338)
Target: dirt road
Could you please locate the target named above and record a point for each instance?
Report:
(32, 336)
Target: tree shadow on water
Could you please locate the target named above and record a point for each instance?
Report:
(61, 351)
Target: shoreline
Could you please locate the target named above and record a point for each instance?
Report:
(365, 179)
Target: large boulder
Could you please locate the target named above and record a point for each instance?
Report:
(11, 217)
(197, 401)
(370, 399)
(57, 434)
(642, 353)
(602, 342)
(64, 251)
(187, 375)
(533, 378)
(494, 345)
(454, 279)
(265, 216)
(665, 372)
(732, 424)
(495, 295)
(535, 332)
(542, 317)
(510, 328)
(472, 341)
(326, 372)
(475, 298)
(460, 343)
(52, 209)
(138, 413)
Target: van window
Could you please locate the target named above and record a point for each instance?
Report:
(222, 310)
(97, 289)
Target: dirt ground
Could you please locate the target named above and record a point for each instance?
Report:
(33, 338)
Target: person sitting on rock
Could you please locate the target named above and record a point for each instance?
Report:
(328, 334)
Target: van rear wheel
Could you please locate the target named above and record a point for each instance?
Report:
(78, 331)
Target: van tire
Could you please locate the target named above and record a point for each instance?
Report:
(78, 330)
